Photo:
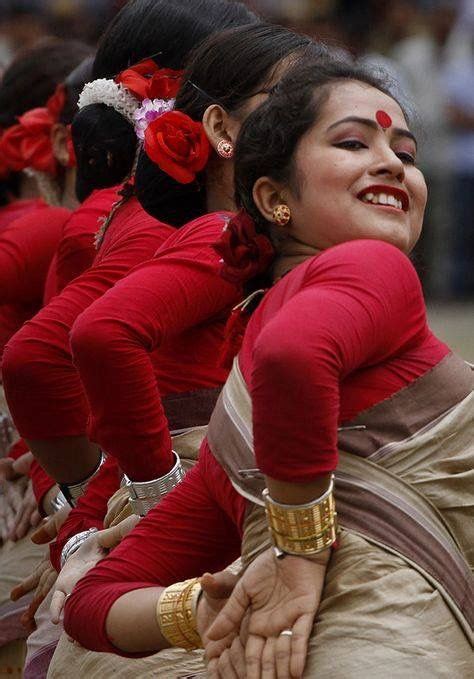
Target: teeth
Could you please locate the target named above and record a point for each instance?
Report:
(382, 199)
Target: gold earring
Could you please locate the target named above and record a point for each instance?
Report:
(281, 215)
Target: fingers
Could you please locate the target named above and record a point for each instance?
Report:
(230, 617)
(282, 656)
(111, 537)
(28, 584)
(46, 532)
(219, 585)
(225, 666)
(57, 605)
(7, 473)
(22, 465)
(268, 659)
(253, 656)
(299, 644)
(35, 518)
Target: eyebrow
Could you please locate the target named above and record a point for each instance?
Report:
(399, 131)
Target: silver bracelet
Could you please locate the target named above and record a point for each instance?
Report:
(57, 502)
(73, 544)
(144, 495)
(73, 491)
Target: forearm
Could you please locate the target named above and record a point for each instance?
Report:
(132, 624)
(297, 493)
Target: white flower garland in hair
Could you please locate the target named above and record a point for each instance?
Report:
(108, 92)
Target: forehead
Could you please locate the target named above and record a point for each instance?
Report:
(362, 100)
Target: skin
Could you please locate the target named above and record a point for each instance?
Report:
(334, 162)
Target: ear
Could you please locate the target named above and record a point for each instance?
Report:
(267, 194)
(59, 141)
(219, 125)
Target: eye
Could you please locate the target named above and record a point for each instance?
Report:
(351, 144)
(407, 158)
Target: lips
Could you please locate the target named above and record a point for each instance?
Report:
(389, 196)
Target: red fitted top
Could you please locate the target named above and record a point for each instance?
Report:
(175, 306)
(45, 393)
(341, 332)
(76, 250)
(27, 246)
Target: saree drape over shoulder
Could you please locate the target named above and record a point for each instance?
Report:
(399, 594)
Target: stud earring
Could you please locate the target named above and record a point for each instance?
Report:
(281, 215)
(225, 149)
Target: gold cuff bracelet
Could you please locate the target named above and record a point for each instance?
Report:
(176, 614)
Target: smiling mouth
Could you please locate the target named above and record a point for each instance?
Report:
(385, 197)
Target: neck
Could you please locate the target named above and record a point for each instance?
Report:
(291, 252)
(219, 183)
(28, 189)
(68, 193)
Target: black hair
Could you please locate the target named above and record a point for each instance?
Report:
(29, 81)
(269, 137)
(165, 30)
(227, 69)
(34, 74)
(74, 84)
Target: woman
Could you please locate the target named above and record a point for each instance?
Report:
(49, 408)
(326, 169)
(158, 337)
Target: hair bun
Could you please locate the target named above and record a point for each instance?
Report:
(245, 253)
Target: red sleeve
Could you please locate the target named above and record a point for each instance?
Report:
(41, 482)
(27, 247)
(91, 508)
(178, 290)
(45, 393)
(18, 449)
(360, 304)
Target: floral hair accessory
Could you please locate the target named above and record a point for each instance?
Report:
(245, 253)
(106, 91)
(146, 80)
(57, 102)
(178, 145)
(149, 111)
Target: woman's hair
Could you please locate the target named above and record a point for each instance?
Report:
(29, 81)
(165, 30)
(228, 69)
(73, 85)
(269, 137)
(34, 74)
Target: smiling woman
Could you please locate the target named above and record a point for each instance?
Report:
(333, 360)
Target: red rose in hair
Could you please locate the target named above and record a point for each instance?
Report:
(35, 143)
(147, 80)
(56, 102)
(10, 151)
(245, 252)
(178, 145)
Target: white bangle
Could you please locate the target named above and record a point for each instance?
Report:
(144, 495)
(73, 544)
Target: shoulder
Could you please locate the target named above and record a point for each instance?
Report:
(200, 232)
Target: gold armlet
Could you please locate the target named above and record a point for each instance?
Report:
(306, 529)
(176, 614)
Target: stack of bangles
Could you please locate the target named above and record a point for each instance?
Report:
(301, 530)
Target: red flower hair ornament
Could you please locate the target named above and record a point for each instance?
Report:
(146, 80)
(245, 253)
(178, 145)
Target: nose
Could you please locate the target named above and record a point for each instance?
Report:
(387, 163)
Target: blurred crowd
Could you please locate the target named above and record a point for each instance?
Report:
(427, 46)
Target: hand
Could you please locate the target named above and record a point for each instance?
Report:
(277, 595)
(93, 550)
(42, 579)
(11, 469)
(21, 512)
(50, 527)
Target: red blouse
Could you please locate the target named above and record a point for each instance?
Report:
(27, 246)
(159, 331)
(341, 332)
(76, 250)
(45, 394)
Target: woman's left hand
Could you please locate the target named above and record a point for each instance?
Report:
(41, 580)
(273, 596)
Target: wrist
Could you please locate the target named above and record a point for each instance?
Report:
(53, 500)
(144, 495)
(74, 543)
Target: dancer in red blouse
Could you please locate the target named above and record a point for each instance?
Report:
(338, 341)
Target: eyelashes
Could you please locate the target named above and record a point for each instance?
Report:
(356, 145)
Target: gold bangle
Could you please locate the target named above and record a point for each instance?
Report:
(305, 529)
(176, 614)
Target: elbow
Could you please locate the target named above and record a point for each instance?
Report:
(90, 341)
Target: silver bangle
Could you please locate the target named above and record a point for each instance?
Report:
(73, 491)
(58, 502)
(144, 495)
(73, 544)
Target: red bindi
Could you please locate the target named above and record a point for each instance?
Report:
(383, 119)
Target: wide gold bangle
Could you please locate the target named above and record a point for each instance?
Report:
(305, 529)
(176, 614)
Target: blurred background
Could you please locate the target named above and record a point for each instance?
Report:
(427, 49)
